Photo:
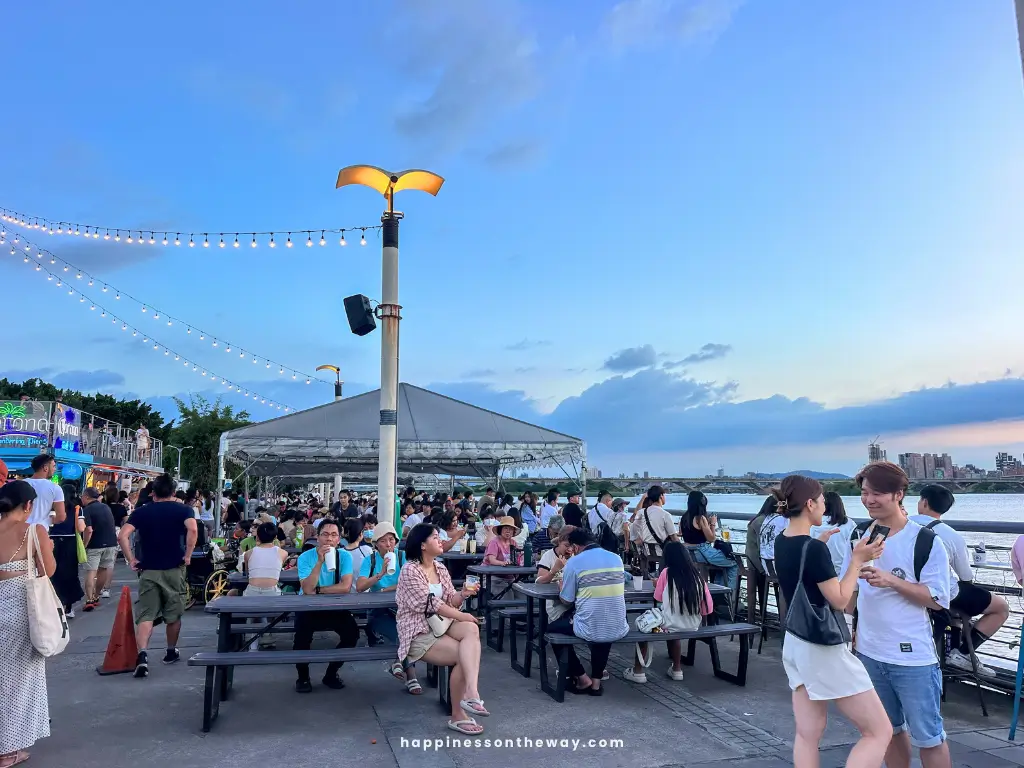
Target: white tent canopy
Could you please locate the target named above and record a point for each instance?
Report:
(436, 435)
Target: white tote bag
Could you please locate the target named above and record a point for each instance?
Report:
(47, 624)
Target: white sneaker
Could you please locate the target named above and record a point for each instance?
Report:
(70, 614)
(633, 677)
(957, 660)
(104, 593)
(675, 674)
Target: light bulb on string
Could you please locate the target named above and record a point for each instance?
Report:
(134, 332)
(293, 376)
(156, 346)
(206, 241)
(90, 282)
(145, 339)
(177, 239)
(191, 242)
(103, 313)
(78, 276)
(272, 244)
(281, 371)
(187, 363)
(254, 359)
(164, 241)
(222, 241)
(253, 243)
(323, 240)
(76, 229)
(227, 349)
(189, 331)
(289, 243)
(307, 381)
(156, 315)
(117, 297)
(129, 238)
(92, 307)
(117, 235)
(144, 308)
(362, 240)
(236, 241)
(342, 242)
(81, 300)
(58, 282)
(166, 352)
(66, 267)
(124, 327)
(215, 342)
(169, 323)
(241, 354)
(309, 240)
(202, 337)
(96, 234)
(38, 268)
(26, 259)
(106, 235)
(175, 358)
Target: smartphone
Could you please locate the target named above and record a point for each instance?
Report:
(878, 532)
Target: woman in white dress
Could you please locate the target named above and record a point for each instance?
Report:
(26, 711)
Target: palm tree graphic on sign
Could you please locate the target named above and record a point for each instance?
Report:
(11, 411)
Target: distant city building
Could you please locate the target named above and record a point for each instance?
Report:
(721, 471)
(913, 465)
(875, 452)
(647, 475)
(1008, 465)
(929, 465)
(593, 473)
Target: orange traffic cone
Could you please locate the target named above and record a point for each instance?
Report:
(122, 650)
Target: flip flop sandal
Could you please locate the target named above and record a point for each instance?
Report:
(396, 671)
(460, 726)
(414, 687)
(15, 758)
(474, 707)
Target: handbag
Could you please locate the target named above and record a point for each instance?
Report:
(47, 625)
(813, 624)
(83, 556)
(650, 620)
(438, 624)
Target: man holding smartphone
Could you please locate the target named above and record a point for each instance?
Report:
(894, 631)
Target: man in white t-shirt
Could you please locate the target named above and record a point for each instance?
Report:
(550, 508)
(894, 631)
(49, 496)
(773, 525)
(965, 596)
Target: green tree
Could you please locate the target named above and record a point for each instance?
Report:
(199, 425)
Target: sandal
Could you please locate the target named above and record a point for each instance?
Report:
(397, 671)
(413, 686)
(14, 758)
(474, 707)
(462, 726)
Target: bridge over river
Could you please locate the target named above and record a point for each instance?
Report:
(761, 485)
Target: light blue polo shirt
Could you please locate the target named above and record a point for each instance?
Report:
(378, 566)
(307, 562)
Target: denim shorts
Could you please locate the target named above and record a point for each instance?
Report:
(911, 697)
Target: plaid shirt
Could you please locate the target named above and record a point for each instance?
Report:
(412, 596)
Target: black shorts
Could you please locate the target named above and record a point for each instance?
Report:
(972, 600)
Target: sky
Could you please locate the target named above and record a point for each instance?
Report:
(696, 233)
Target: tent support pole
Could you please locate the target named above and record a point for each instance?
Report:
(221, 450)
(389, 312)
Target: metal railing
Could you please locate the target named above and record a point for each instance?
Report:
(50, 425)
(995, 574)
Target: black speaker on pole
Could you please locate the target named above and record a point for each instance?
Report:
(360, 314)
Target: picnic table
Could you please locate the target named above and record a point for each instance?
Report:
(486, 572)
(465, 556)
(220, 665)
(550, 591)
(289, 578)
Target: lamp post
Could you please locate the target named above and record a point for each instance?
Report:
(338, 479)
(1019, 6)
(387, 184)
(177, 472)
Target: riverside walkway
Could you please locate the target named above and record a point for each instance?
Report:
(109, 722)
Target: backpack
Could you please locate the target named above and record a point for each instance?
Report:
(922, 547)
(752, 549)
(604, 534)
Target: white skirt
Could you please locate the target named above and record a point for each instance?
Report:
(828, 672)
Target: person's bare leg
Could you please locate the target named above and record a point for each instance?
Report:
(173, 630)
(811, 718)
(994, 617)
(936, 757)
(675, 650)
(898, 753)
(468, 637)
(865, 711)
(143, 631)
(445, 653)
(106, 577)
(90, 586)
(638, 668)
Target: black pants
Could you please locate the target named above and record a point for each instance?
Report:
(339, 622)
(598, 651)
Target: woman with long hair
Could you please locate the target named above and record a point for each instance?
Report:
(684, 599)
(425, 589)
(26, 715)
(697, 529)
(65, 580)
(820, 673)
(356, 546)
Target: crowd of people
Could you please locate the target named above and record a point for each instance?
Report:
(899, 574)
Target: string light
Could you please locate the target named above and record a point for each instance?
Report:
(362, 240)
(156, 313)
(93, 231)
(157, 346)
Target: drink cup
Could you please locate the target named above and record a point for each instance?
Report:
(391, 559)
(725, 534)
(638, 583)
(472, 546)
(472, 583)
(331, 559)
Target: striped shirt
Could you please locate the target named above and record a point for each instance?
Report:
(594, 581)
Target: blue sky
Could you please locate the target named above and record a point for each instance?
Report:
(693, 232)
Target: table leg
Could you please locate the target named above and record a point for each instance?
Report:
(223, 682)
(485, 593)
(524, 668)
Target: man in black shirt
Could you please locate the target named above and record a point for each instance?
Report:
(100, 541)
(167, 535)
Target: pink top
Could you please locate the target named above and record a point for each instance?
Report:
(1017, 559)
(659, 593)
(411, 597)
(498, 550)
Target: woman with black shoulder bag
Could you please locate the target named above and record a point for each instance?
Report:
(818, 663)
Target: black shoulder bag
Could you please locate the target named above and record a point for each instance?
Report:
(817, 625)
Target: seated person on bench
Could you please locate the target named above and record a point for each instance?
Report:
(968, 597)
(326, 570)
(592, 582)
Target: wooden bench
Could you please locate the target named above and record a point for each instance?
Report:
(514, 615)
(495, 639)
(708, 634)
(217, 663)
